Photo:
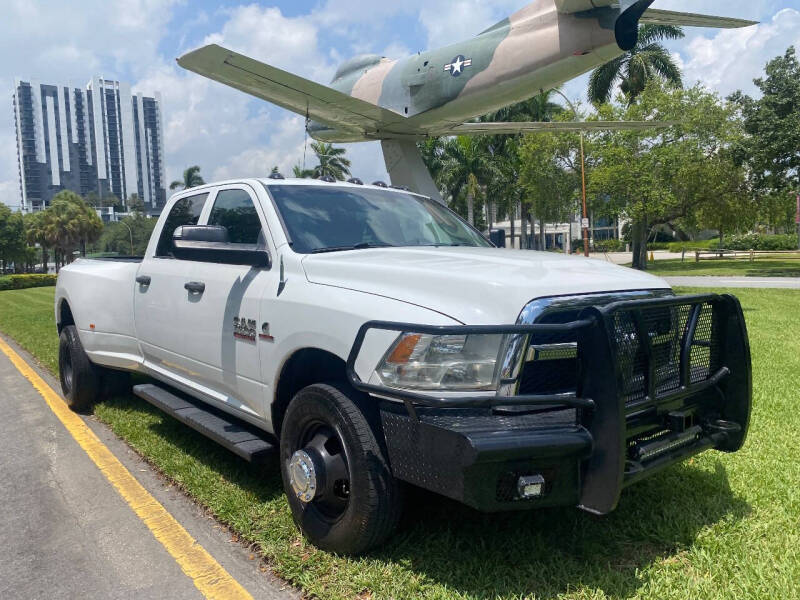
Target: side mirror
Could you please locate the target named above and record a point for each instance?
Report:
(209, 243)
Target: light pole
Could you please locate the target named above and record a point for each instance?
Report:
(584, 214)
(131, 233)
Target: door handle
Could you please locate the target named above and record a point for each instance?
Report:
(195, 287)
(143, 280)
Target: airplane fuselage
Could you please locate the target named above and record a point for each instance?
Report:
(536, 48)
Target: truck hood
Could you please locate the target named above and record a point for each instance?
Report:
(476, 286)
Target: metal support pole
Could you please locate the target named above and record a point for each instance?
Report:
(131, 233)
(584, 223)
(584, 214)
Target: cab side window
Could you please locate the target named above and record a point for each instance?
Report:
(234, 210)
(185, 211)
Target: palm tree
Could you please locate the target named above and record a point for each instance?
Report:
(633, 70)
(504, 188)
(191, 178)
(71, 223)
(35, 233)
(540, 107)
(466, 168)
(302, 173)
(331, 161)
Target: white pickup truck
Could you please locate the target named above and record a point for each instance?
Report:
(376, 340)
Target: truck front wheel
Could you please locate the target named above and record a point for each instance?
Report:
(335, 474)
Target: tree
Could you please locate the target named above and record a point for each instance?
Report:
(648, 60)
(772, 147)
(331, 161)
(117, 237)
(548, 178)
(36, 234)
(12, 238)
(136, 205)
(191, 178)
(503, 189)
(69, 223)
(673, 175)
(302, 173)
(466, 169)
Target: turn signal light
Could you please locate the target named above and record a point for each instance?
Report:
(402, 351)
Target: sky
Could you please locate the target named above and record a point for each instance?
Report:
(230, 135)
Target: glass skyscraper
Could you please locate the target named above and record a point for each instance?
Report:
(102, 139)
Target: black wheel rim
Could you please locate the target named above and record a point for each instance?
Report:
(66, 369)
(324, 444)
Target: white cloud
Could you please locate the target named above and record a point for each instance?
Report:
(733, 58)
(451, 21)
(59, 42)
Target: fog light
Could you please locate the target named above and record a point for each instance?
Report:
(530, 487)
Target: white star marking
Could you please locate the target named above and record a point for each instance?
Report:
(457, 65)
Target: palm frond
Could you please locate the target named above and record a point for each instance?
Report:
(603, 79)
(652, 33)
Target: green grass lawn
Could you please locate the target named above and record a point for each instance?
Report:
(719, 526)
(762, 267)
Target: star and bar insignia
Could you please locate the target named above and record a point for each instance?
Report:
(457, 66)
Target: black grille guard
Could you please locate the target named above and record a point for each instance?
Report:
(603, 334)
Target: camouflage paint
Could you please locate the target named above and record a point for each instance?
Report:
(535, 48)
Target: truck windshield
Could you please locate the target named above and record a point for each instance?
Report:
(321, 219)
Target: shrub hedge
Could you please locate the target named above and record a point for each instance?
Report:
(757, 241)
(609, 245)
(658, 245)
(19, 282)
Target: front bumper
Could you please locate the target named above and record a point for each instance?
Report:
(658, 380)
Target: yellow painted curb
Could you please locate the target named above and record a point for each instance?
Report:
(206, 573)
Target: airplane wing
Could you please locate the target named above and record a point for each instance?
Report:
(305, 97)
(500, 128)
(668, 17)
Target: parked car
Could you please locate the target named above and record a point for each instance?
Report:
(373, 339)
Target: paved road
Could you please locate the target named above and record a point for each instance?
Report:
(792, 283)
(65, 532)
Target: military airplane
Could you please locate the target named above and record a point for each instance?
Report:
(440, 92)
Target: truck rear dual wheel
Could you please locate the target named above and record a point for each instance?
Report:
(83, 382)
(336, 476)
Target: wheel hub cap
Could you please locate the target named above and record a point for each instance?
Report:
(303, 476)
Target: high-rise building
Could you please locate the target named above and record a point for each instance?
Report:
(102, 140)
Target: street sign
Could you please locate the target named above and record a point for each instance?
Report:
(585, 223)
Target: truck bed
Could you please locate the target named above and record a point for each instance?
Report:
(100, 293)
(128, 259)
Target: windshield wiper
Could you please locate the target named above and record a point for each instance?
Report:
(361, 246)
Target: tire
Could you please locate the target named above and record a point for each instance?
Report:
(346, 516)
(80, 379)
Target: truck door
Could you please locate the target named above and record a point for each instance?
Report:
(226, 334)
(161, 301)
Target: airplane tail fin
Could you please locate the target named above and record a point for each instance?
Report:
(630, 13)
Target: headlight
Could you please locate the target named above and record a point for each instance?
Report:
(442, 362)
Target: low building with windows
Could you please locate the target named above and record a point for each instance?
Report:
(560, 236)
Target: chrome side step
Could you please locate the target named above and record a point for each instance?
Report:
(241, 439)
